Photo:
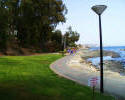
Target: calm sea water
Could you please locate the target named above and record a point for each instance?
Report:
(118, 49)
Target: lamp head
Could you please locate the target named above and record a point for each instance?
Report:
(99, 9)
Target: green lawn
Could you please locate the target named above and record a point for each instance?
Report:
(30, 78)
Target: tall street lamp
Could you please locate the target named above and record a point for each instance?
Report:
(98, 9)
(62, 45)
(65, 42)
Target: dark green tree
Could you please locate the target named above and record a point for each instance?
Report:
(34, 21)
(57, 39)
(71, 37)
(40, 18)
(3, 27)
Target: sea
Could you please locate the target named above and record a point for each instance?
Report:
(118, 49)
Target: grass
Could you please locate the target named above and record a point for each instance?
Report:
(30, 78)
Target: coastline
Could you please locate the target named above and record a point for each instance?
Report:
(111, 68)
(73, 67)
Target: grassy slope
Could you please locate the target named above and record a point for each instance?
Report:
(30, 78)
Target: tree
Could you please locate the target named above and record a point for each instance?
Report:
(34, 21)
(57, 39)
(71, 37)
(40, 18)
(3, 27)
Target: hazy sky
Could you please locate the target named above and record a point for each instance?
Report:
(85, 21)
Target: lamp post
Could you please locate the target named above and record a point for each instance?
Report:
(65, 42)
(98, 9)
(62, 45)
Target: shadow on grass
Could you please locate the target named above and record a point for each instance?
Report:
(36, 87)
(30, 78)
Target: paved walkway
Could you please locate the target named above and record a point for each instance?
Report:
(112, 86)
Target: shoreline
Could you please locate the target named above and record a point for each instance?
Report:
(71, 68)
(111, 68)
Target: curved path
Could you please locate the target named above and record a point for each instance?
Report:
(111, 85)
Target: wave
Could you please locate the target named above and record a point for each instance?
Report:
(118, 49)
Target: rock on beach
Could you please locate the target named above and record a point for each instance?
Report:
(96, 53)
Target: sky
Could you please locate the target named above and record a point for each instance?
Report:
(85, 21)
